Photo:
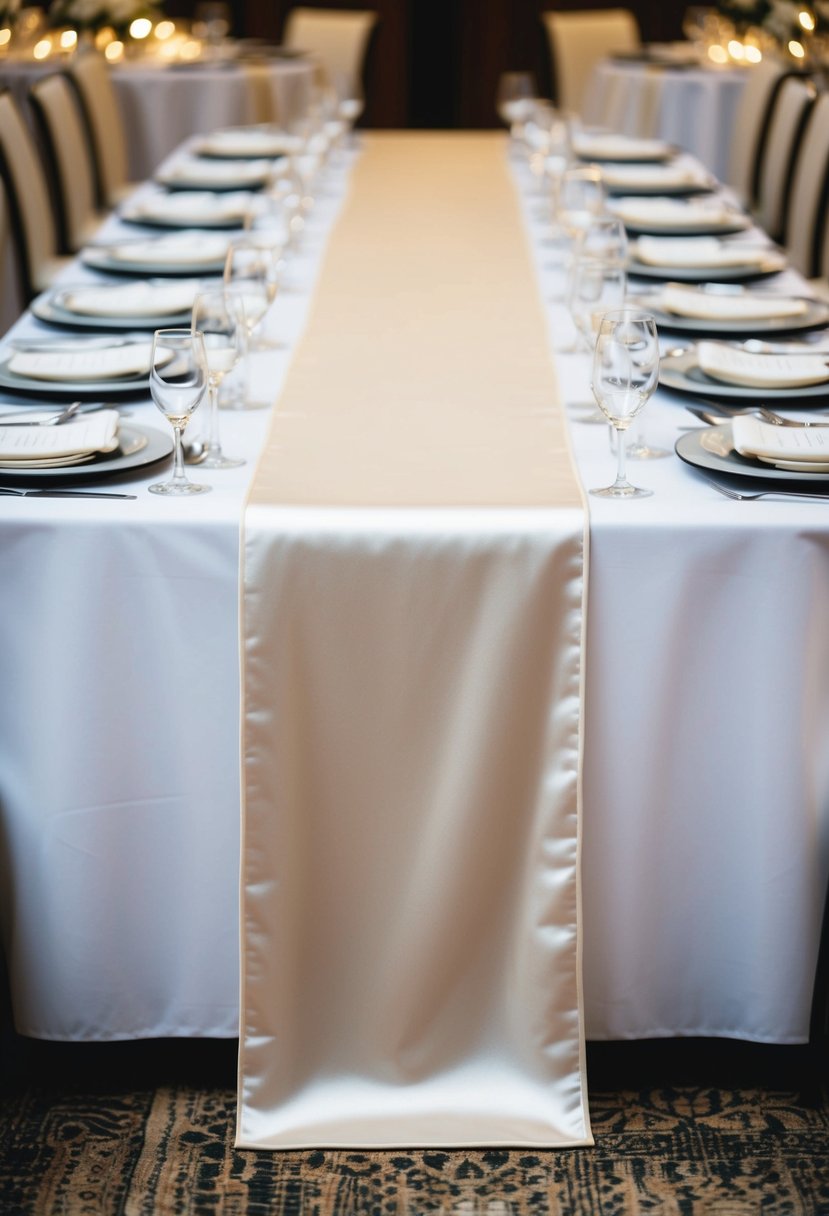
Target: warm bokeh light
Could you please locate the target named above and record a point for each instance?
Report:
(796, 49)
(141, 27)
(718, 54)
(754, 54)
(42, 49)
(105, 35)
(165, 30)
(806, 19)
(68, 40)
(5, 37)
(115, 51)
(736, 49)
(191, 49)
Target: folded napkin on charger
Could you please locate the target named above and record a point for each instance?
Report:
(184, 250)
(158, 299)
(619, 147)
(677, 213)
(203, 172)
(743, 367)
(191, 206)
(704, 253)
(653, 177)
(44, 446)
(804, 449)
(742, 306)
(249, 141)
(85, 363)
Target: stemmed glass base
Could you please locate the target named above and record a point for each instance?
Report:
(175, 488)
(621, 489)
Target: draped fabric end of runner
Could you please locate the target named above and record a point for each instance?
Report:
(412, 635)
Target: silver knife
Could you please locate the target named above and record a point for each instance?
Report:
(61, 493)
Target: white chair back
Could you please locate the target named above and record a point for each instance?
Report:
(27, 195)
(749, 123)
(337, 38)
(578, 41)
(806, 235)
(67, 148)
(787, 124)
(90, 74)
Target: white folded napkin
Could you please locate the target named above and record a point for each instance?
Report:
(41, 446)
(184, 250)
(654, 177)
(201, 171)
(620, 147)
(704, 252)
(131, 299)
(192, 206)
(742, 306)
(98, 363)
(249, 141)
(805, 449)
(751, 370)
(677, 213)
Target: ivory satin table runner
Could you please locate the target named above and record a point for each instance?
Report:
(412, 617)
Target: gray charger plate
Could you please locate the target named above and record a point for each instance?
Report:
(139, 446)
(682, 373)
(47, 308)
(815, 316)
(713, 450)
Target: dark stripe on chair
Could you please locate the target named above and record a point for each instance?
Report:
(794, 152)
(818, 220)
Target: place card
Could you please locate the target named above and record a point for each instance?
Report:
(676, 213)
(737, 306)
(100, 363)
(704, 253)
(131, 299)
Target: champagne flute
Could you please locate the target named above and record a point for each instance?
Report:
(515, 98)
(178, 381)
(597, 286)
(625, 375)
(219, 316)
(578, 200)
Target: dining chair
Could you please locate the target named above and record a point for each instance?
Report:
(806, 235)
(337, 38)
(89, 74)
(788, 121)
(31, 219)
(578, 41)
(750, 129)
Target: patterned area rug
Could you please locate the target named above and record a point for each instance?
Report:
(101, 1148)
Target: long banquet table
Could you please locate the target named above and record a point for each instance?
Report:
(705, 771)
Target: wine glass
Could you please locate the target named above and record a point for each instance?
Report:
(219, 315)
(578, 200)
(625, 375)
(178, 381)
(254, 266)
(597, 286)
(605, 238)
(515, 97)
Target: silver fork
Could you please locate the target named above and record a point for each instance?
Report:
(778, 420)
(738, 497)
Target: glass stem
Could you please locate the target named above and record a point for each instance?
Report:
(179, 477)
(213, 446)
(621, 470)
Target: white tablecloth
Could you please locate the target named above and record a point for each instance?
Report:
(706, 809)
(163, 105)
(693, 108)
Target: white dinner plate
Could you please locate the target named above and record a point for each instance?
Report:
(707, 274)
(683, 374)
(712, 449)
(82, 389)
(137, 447)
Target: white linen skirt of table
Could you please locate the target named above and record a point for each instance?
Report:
(412, 623)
